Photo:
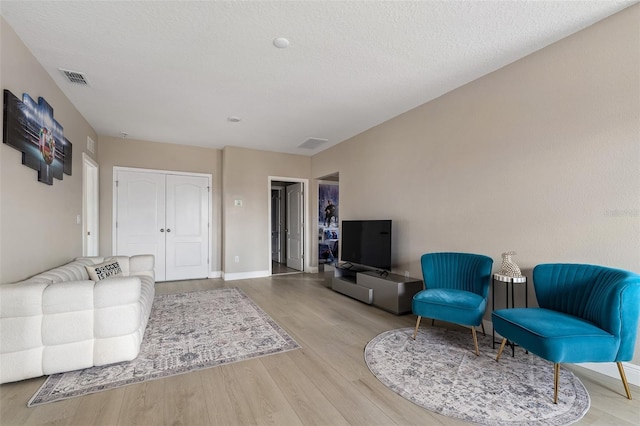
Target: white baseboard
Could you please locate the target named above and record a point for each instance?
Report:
(249, 275)
(244, 275)
(632, 371)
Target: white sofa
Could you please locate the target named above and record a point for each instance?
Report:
(60, 320)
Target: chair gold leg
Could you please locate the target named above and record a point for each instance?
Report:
(504, 342)
(415, 332)
(556, 381)
(624, 379)
(475, 340)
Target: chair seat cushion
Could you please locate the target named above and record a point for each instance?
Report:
(555, 336)
(458, 306)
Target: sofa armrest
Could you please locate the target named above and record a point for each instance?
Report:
(117, 291)
(20, 327)
(142, 264)
(68, 296)
(21, 299)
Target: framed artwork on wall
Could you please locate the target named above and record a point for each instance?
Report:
(29, 127)
(328, 232)
(328, 204)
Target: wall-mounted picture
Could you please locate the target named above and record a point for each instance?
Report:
(30, 128)
(328, 205)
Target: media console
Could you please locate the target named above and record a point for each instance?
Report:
(387, 291)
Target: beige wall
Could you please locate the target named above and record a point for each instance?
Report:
(157, 156)
(38, 227)
(245, 177)
(541, 157)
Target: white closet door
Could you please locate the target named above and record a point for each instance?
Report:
(295, 225)
(140, 222)
(187, 227)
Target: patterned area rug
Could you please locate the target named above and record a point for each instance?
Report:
(186, 332)
(439, 371)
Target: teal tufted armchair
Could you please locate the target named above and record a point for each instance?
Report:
(456, 286)
(586, 313)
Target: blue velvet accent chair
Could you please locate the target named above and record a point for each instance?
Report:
(586, 313)
(456, 286)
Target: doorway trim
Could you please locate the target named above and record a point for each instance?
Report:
(281, 241)
(306, 228)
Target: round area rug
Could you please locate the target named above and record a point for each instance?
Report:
(439, 371)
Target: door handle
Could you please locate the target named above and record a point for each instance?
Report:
(161, 229)
(168, 230)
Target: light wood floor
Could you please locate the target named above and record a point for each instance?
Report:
(281, 268)
(324, 383)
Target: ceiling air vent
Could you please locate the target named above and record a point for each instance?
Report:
(75, 77)
(312, 143)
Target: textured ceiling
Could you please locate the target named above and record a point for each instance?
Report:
(174, 71)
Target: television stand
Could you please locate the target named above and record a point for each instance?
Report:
(391, 292)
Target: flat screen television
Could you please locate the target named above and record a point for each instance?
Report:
(367, 243)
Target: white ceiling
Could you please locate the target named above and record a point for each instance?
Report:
(174, 71)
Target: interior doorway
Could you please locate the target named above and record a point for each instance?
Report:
(89, 206)
(287, 226)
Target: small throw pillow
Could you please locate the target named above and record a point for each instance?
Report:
(104, 270)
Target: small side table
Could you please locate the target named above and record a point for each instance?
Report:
(509, 282)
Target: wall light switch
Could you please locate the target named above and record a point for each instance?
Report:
(237, 203)
(78, 219)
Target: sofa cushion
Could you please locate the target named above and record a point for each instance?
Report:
(67, 357)
(72, 271)
(104, 270)
(20, 334)
(555, 336)
(22, 299)
(21, 364)
(446, 304)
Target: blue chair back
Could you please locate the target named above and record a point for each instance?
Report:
(461, 271)
(606, 297)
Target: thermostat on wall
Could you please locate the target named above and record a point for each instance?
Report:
(237, 203)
